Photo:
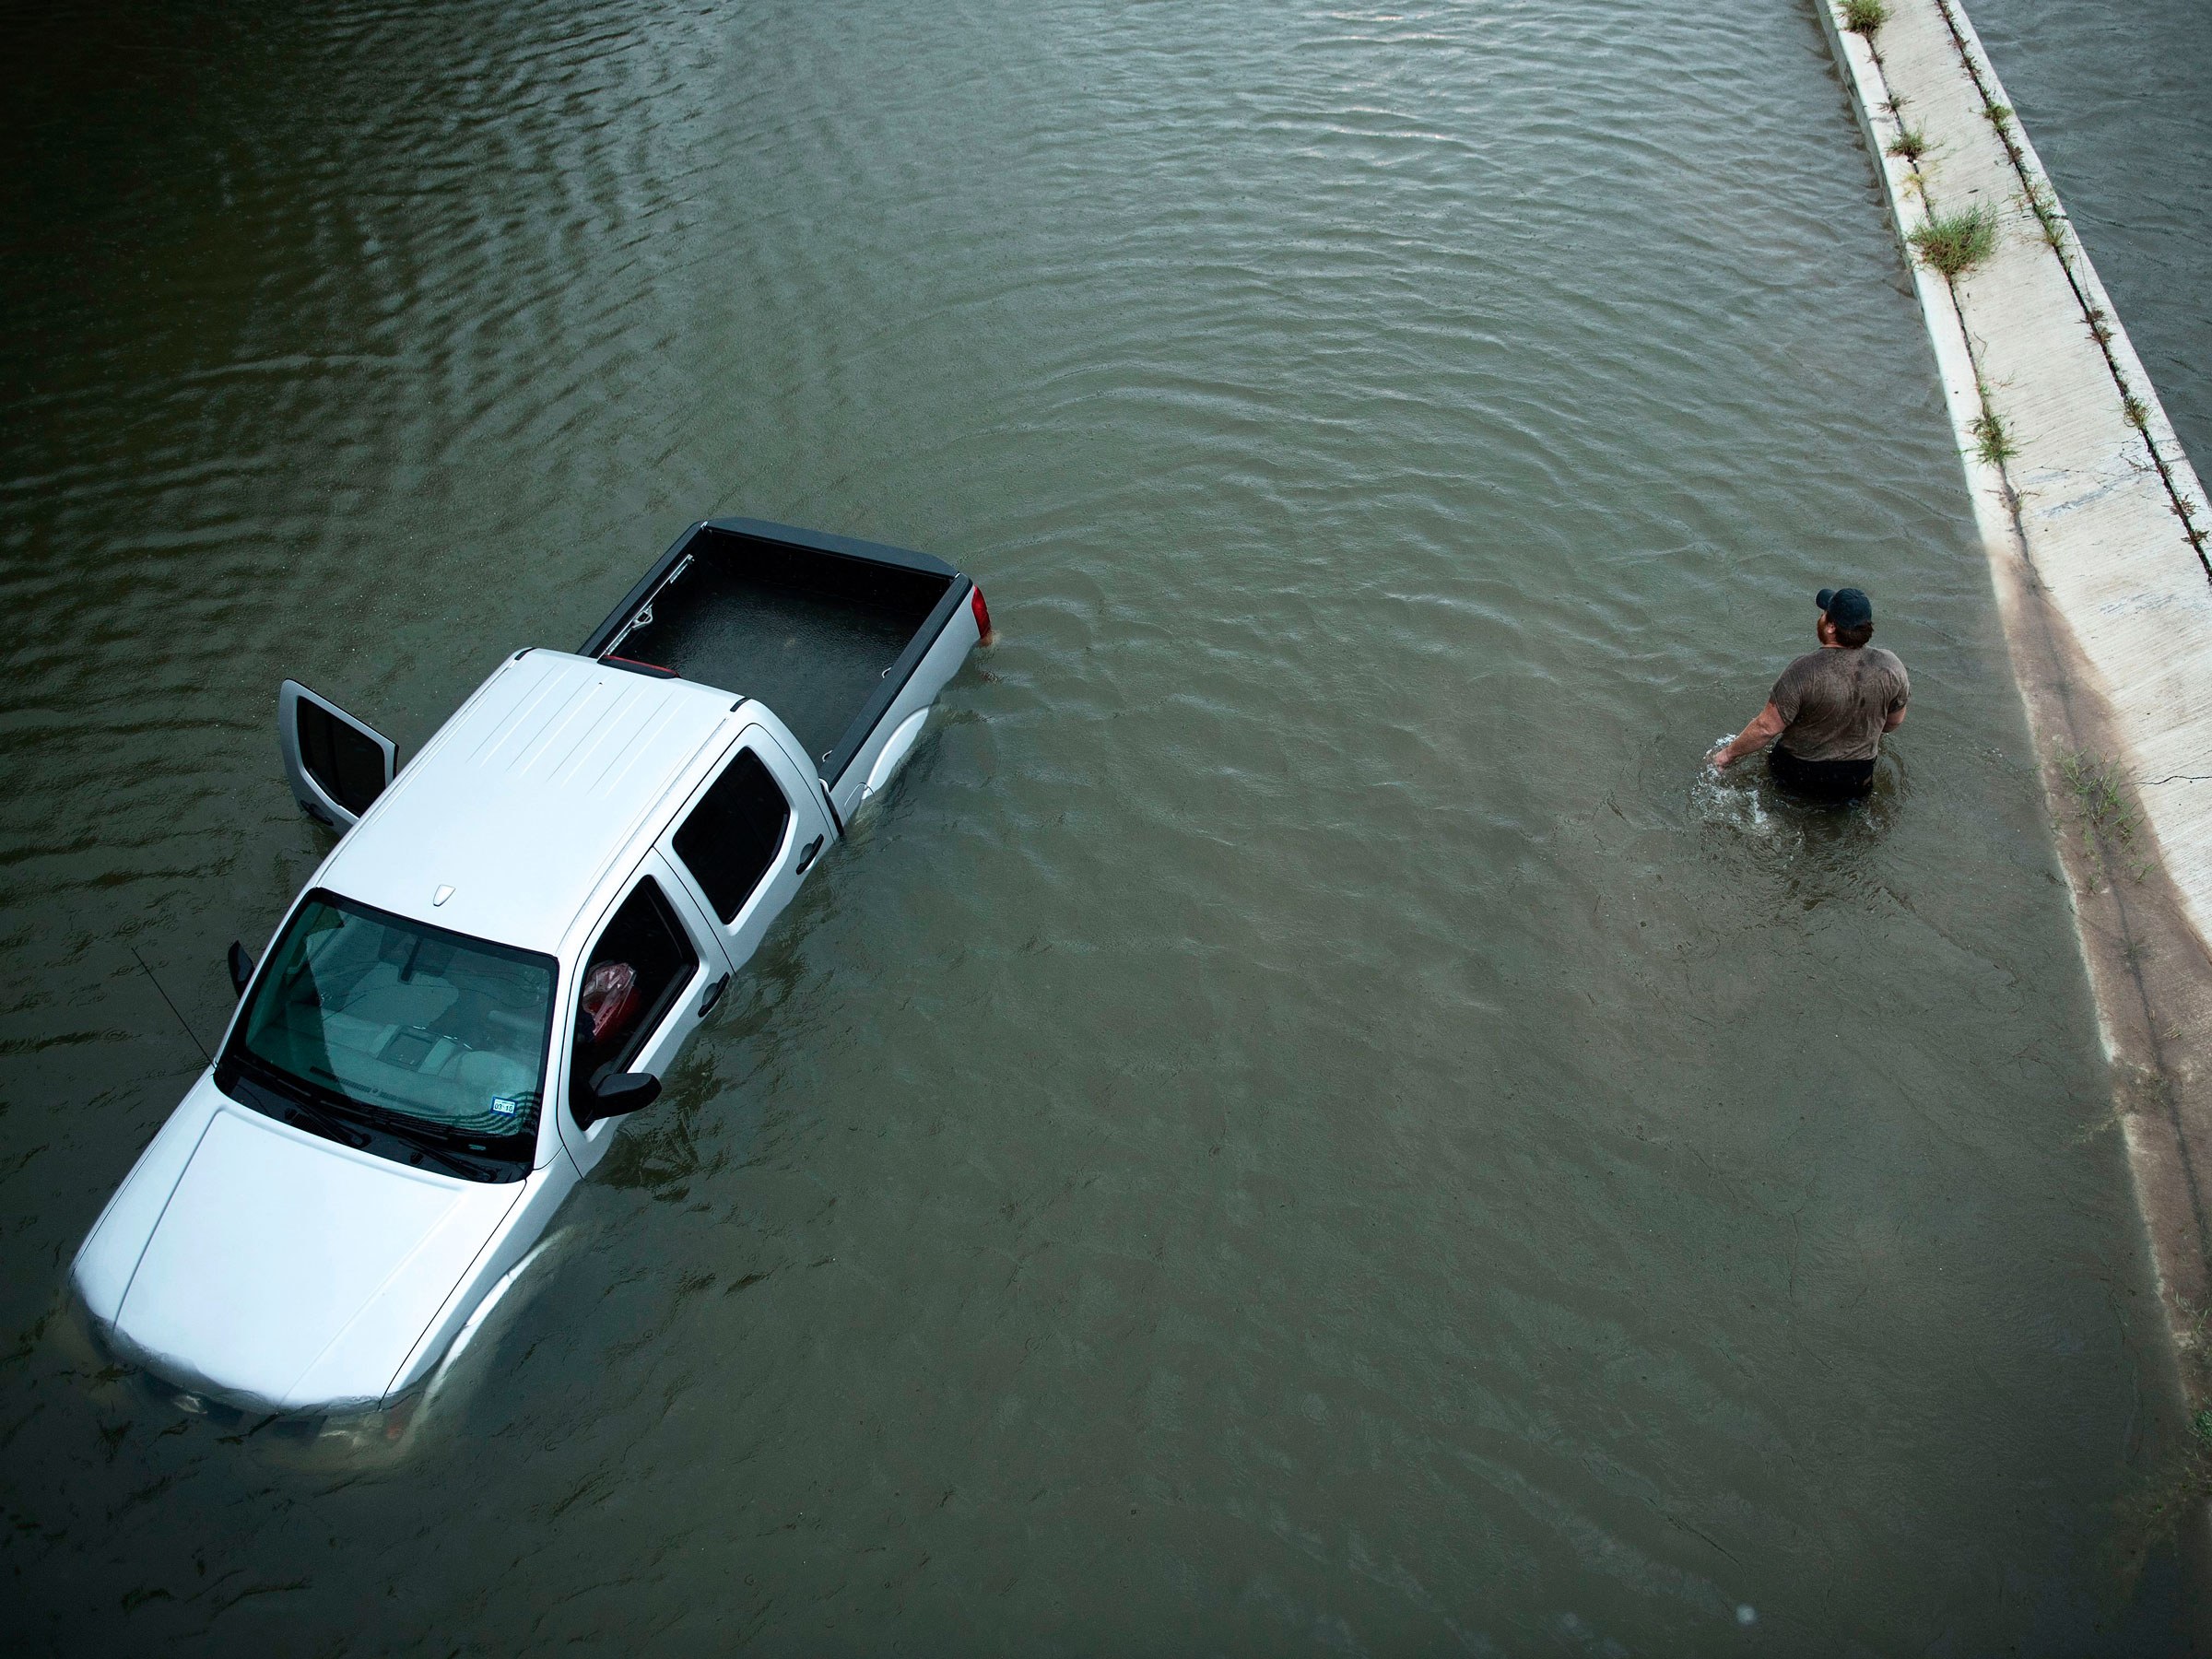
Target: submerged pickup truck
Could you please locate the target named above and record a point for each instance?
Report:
(501, 956)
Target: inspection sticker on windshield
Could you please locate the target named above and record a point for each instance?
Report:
(506, 1105)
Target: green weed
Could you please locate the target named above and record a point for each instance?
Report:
(1909, 143)
(1953, 243)
(1993, 441)
(2107, 818)
(1864, 17)
(2043, 201)
(2102, 806)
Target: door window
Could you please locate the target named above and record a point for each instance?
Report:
(633, 978)
(735, 834)
(340, 758)
(336, 766)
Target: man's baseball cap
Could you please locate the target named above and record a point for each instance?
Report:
(1846, 608)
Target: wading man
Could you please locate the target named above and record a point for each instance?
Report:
(1827, 712)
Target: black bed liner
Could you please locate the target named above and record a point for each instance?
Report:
(824, 629)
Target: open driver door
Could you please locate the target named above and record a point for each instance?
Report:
(337, 765)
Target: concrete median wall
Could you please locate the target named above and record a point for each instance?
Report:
(2095, 525)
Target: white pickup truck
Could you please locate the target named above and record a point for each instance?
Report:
(502, 955)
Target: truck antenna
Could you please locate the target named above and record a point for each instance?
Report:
(172, 1007)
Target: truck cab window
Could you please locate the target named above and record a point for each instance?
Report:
(633, 978)
(735, 833)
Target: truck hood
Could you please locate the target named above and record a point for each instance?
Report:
(286, 1272)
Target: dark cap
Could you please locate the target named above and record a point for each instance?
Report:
(1846, 608)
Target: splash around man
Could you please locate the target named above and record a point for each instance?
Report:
(1827, 712)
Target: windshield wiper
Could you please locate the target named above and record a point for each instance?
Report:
(452, 1163)
(361, 1126)
(327, 1124)
(291, 1102)
(417, 1130)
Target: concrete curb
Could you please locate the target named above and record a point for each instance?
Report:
(2128, 374)
(2094, 524)
(1880, 125)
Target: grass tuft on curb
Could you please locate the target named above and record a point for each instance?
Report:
(1864, 17)
(1909, 143)
(2043, 201)
(2107, 819)
(1993, 441)
(1952, 242)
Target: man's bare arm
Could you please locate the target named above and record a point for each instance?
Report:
(1764, 728)
(1897, 718)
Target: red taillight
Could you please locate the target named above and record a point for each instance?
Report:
(982, 616)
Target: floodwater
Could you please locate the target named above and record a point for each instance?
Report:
(1304, 1124)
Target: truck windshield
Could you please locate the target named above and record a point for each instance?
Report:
(426, 1029)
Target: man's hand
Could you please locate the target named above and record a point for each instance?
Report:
(1765, 727)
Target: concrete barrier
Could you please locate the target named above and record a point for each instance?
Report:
(2095, 526)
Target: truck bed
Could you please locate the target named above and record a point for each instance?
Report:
(823, 630)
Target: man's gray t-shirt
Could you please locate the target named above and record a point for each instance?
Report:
(1836, 702)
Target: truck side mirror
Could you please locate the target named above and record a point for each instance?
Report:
(621, 1094)
(242, 968)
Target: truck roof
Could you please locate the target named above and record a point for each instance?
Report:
(525, 797)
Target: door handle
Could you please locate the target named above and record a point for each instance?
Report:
(714, 995)
(807, 857)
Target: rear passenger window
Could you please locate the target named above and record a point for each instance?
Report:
(733, 835)
(633, 978)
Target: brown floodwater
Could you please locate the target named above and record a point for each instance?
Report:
(1305, 1124)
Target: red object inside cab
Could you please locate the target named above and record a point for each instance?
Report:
(609, 1002)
